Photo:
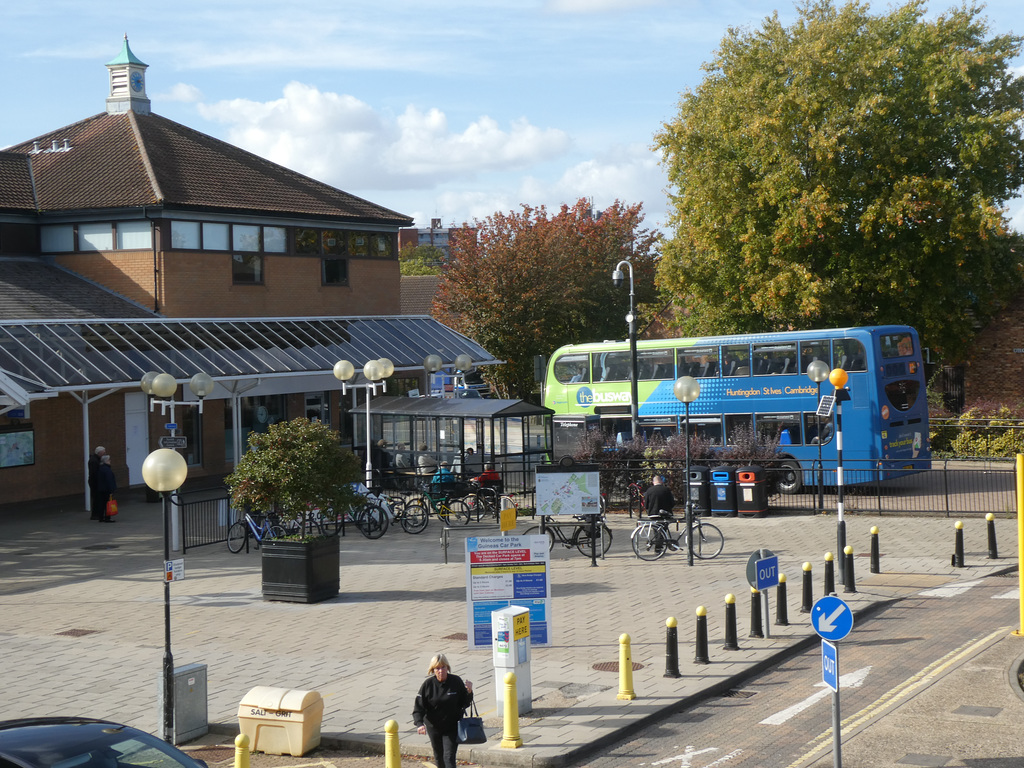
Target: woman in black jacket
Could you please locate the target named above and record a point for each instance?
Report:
(438, 709)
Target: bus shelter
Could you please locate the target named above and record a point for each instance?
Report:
(468, 433)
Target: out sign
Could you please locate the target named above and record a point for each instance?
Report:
(767, 571)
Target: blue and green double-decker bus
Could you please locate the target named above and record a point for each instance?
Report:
(757, 382)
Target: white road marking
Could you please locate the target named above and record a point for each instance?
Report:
(950, 590)
(1013, 594)
(686, 759)
(850, 680)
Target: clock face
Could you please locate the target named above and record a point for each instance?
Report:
(136, 81)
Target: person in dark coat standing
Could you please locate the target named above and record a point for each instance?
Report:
(438, 709)
(97, 507)
(106, 485)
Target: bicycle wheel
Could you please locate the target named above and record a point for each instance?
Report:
(372, 521)
(650, 542)
(708, 541)
(461, 512)
(583, 539)
(237, 534)
(414, 518)
(277, 532)
(475, 505)
(534, 530)
(332, 523)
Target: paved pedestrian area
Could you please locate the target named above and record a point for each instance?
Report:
(82, 622)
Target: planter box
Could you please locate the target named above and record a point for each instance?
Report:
(301, 571)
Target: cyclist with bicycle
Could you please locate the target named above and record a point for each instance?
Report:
(658, 499)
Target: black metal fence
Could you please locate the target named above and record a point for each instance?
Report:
(950, 487)
(206, 516)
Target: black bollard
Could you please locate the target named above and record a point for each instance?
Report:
(830, 574)
(671, 648)
(849, 585)
(730, 624)
(781, 609)
(755, 613)
(701, 645)
(876, 559)
(808, 590)
(958, 546)
(993, 549)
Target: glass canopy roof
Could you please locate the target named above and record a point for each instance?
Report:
(55, 356)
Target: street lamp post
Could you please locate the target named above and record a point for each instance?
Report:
(838, 378)
(376, 373)
(817, 371)
(687, 389)
(634, 408)
(164, 470)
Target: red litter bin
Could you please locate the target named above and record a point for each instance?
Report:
(751, 491)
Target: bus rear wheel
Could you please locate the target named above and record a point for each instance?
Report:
(790, 478)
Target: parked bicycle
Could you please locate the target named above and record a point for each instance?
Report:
(487, 501)
(579, 536)
(651, 538)
(439, 501)
(635, 494)
(239, 532)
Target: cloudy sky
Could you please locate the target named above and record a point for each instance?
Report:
(449, 109)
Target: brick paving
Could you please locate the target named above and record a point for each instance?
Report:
(367, 650)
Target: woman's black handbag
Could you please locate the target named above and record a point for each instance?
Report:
(471, 728)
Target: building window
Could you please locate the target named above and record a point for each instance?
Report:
(96, 237)
(215, 237)
(134, 235)
(247, 268)
(334, 242)
(307, 241)
(274, 240)
(358, 244)
(245, 238)
(185, 235)
(58, 238)
(335, 272)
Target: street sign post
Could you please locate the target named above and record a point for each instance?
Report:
(762, 575)
(832, 619)
(173, 441)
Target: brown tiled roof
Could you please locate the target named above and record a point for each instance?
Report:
(30, 289)
(130, 160)
(15, 183)
(417, 294)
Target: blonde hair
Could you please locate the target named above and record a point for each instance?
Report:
(440, 660)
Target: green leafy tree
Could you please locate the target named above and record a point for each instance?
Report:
(849, 169)
(420, 260)
(524, 283)
(294, 466)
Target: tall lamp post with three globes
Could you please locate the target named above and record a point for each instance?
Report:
(375, 373)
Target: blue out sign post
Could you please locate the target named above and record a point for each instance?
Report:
(832, 619)
(762, 575)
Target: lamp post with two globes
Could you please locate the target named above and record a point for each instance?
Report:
(838, 378)
(687, 389)
(375, 373)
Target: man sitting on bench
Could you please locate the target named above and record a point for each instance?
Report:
(658, 499)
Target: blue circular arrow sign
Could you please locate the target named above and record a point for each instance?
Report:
(831, 618)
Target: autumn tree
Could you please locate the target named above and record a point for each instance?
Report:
(524, 283)
(849, 169)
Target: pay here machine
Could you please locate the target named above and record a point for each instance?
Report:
(510, 633)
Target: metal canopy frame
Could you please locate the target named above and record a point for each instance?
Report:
(43, 358)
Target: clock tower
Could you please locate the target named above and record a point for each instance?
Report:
(127, 83)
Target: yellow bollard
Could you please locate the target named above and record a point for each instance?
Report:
(241, 751)
(1020, 540)
(392, 752)
(626, 692)
(510, 739)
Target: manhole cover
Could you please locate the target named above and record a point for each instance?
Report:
(212, 754)
(78, 632)
(456, 636)
(102, 546)
(738, 694)
(613, 666)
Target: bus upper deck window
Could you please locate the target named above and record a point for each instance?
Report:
(736, 360)
(848, 354)
(572, 369)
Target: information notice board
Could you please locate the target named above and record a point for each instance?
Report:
(503, 571)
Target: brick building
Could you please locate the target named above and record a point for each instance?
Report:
(130, 242)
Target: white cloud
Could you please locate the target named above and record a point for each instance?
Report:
(344, 141)
(598, 6)
(182, 92)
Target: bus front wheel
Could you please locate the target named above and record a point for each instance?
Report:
(791, 479)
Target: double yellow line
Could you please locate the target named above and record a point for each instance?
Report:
(895, 696)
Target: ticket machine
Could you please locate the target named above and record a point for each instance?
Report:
(510, 643)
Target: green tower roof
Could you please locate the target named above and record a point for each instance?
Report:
(126, 56)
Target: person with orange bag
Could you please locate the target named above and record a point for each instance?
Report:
(106, 486)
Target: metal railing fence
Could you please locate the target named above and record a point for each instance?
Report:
(206, 516)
